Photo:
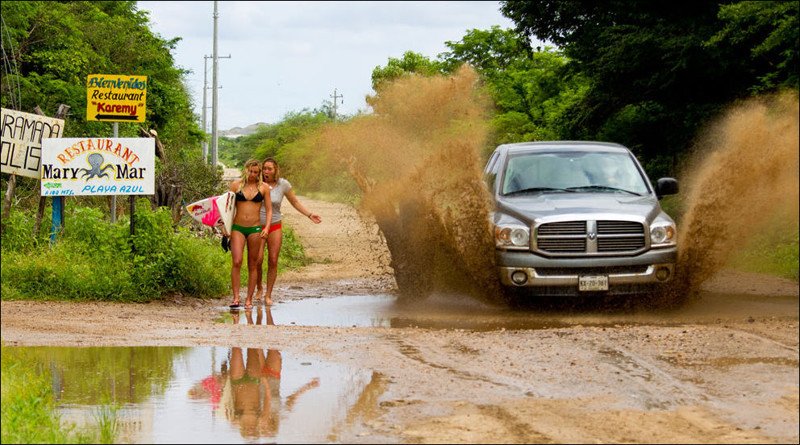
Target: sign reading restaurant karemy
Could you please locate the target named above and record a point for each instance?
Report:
(116, 98)
(21, 151)
(98, 166)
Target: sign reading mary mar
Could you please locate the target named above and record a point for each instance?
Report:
(98, 166)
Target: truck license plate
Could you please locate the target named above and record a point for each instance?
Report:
(593, 282)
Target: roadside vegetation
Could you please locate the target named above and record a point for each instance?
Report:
(94, 259)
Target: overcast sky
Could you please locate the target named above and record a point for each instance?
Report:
(287, 56)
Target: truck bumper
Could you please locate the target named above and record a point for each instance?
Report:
(560, 276)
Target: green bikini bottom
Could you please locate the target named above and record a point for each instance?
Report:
(246, 231)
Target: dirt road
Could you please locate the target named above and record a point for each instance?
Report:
(721, 370)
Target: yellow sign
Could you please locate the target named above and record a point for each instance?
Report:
(116, 98)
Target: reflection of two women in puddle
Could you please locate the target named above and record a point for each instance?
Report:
(247, 388)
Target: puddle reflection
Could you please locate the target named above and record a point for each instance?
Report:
(246, 389)
(347, 310)
(212, 394)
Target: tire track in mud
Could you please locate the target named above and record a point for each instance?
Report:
(793, 349)
(654, 387)
(664, 378)
(608, 381)
(516, 431)
(647, 376)
(414, 353)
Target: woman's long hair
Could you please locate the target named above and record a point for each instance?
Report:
(277, 168)
(246, 173)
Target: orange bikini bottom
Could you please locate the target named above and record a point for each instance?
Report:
(273, 227)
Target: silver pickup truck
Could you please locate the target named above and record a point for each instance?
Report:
(578, 218)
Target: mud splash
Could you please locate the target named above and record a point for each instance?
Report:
(417, 162)
(746, 175)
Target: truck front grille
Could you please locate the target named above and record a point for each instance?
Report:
(604, 237)
(563, 244)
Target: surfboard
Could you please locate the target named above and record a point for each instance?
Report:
(215, 211)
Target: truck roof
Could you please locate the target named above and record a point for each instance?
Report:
(564, 146)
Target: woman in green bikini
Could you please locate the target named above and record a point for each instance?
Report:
(250, 191)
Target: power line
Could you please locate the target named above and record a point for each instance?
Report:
(335, 101)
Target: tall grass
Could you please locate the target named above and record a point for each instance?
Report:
(773, 251)
(29, 410)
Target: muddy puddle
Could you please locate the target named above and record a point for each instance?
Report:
(209, 394)
(458, 312)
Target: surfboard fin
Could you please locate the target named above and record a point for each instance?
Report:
(226, 244)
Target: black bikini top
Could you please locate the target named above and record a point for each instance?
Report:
(257, 198)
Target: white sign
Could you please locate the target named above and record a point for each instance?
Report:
(22, 141)
(98, 166)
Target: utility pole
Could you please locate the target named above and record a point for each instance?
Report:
(205, 87)
(214, 103)
(335, 101)
(205, 107)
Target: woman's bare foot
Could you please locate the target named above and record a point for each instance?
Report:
(268, 301)
(259, 294)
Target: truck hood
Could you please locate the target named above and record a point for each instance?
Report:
(578, 205)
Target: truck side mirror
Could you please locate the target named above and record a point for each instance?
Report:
(666, 186)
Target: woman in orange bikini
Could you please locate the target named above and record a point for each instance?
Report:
(279, 187)
(250, 191)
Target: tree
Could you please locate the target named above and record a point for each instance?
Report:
(770, 31)
(659, 70)
(532, 89)
(269, 140)
(410, 63)
(54, 46)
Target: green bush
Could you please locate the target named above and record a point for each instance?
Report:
(292, 253)
(60, 273)
(94, 259)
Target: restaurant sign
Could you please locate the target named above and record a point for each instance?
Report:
(115, 98)
(98, 166)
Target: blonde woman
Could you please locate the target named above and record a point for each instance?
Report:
(271, 223)
(250, 192)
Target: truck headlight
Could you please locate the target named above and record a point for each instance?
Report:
(662, 235)
(512, 237)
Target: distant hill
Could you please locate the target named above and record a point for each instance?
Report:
(235, 132)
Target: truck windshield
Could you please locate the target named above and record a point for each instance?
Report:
(574, 171)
